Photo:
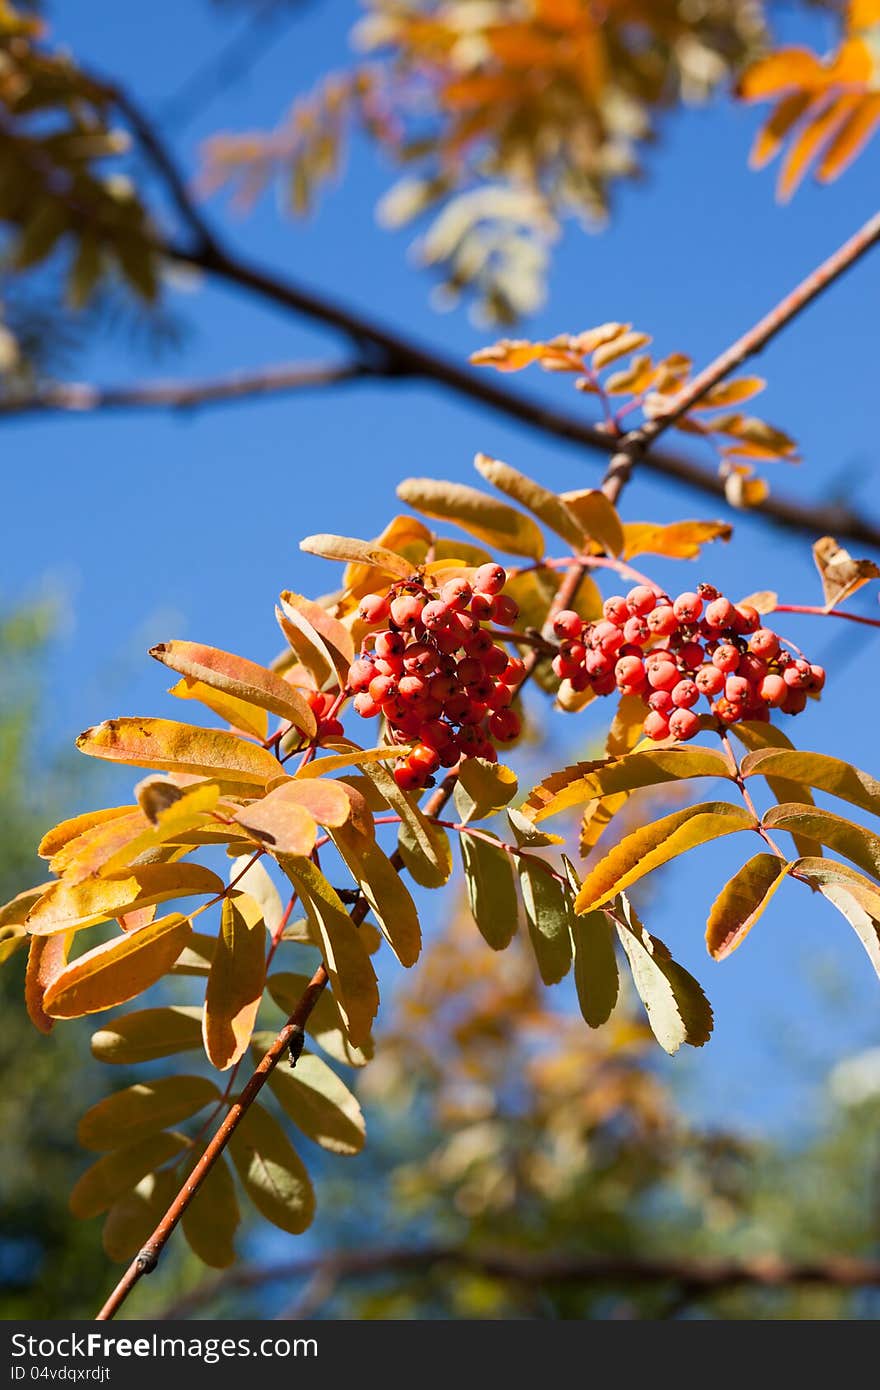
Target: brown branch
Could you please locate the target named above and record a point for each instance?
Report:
(73, 397)
(697, 1275)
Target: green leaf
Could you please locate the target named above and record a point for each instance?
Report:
(655, 844)
(147, 1034)
(352, 977)
(212, 1218)
(318, 1102)
(491, 521)
(678, 1010)
(143, 1109)
(826, 828)
(424, 847)
(545, 505)
(272, 1172)
(817, 770)
(325, 1023)
(589, 781)
(235, 984)
(384, 890)
(120, 1171)
(483, 788)
(741, 902)
(491, 888)
(595, 967)
(133, 1218)
(548, 915)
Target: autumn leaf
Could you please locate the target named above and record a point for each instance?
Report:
(165, 744)
(65, 908)
(741, 902)
(242, 679)
(235, 983)
(491, 521)
(118, 970)
(841, 575)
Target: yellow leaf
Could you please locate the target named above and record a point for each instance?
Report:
(482, 516)
(850, 139)
(319, 1103)
(730, 392)
(117, 971)
(681, 540)
(841, 575)
(741, 902)
(610, 352)
(652, 845)
(247, 719)
(387, 895)
(780, 72)
(508, 355)
(235, 984)
(784, 116)
(353, 757)
(544, 504)
(357, 552)
(242, 680)
(167, 745)
(315, 639)
(55, 839)
(65, 908)
(597, 517)
(807, 144)
(817, 770)
(143, 1109)
(282, 825)
(588, 781)
(854, 841)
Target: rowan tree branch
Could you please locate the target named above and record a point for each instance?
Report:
(392, 355)
(697, 1275)
(81, 398)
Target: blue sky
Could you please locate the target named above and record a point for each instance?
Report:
(153, 526)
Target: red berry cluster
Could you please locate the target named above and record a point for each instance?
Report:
(435, 672)
(670, 652)
(322, 707)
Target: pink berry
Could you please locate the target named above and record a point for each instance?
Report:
(568, 624)
(687, 607)
(746, 619)
(629, 673)
(366, 706)
(661, 701)
(504, 610)
(457, 593)
(481, 606)
(818, 674)
(406, 610)
(720, 613)
(656, 726)
(662, 620)
(435, 615)
(662, 674)
(764, 643)
(685, 694)
(389, 644)
(683, 724)
(737, 690)
(799, 675)
(709, 680)
(641, 600)
(636, 630)
(359, 676)
(725, 657)
(373, 608)
(773, 690)
(615, 610)
(490, 579)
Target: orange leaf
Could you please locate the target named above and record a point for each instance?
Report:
(780, 72)
(850, 139)
(165, 744)
(47, 958)
(784, 116)
(66, 908)
(808, 143)
(285, 827)
(118, 970)
(235, 982)
(244, 680)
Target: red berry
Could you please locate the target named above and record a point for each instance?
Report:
(726, 657)
(725, 711)
(330, 728)
(373, 608)
(818, 674)
(685, 694)
(641, 600)
(435, 615)
(795, 702)
(737, 690)
(457, 593)
(409, 779)
(629, 674)
(636, 630)
(420, 659)
(662, 620)
(501, 697)
(482, 689)
(764, 643)
(435, 733)
(662, 672)
(504, 610)
(359, 675)
(412, 688)
(691, 655)
(687, 607)
(568, 624)
(382, 688)
(424, 757)
(598, 664)
(490, 579)
(366, 706)
(799, 675)
(389, 644)
(504, 725)
(709, 680)
(616, 610)
(656, 726)
(773, 690)
(720, 613)
(481, 606)
(683, 724)
(661, 701)
(514, 671)
(406, 610)
(746, 619)
(603, 685)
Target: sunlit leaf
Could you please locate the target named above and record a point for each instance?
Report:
(597, 517)
(483, 788)
(741, 902)
(165, 744)
(826, 828)
(117, 971)
(680, 540)
(68, 909)
(235, 983)
(318, 1102)
(242, 679)
(357, 552)
(491, 521)
(650, 846)
(539, 500)
(817, 770)
(587, 781)
(47, 957)
(381, 885)
(841, 575)
(424, 847)
(325, 1023)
